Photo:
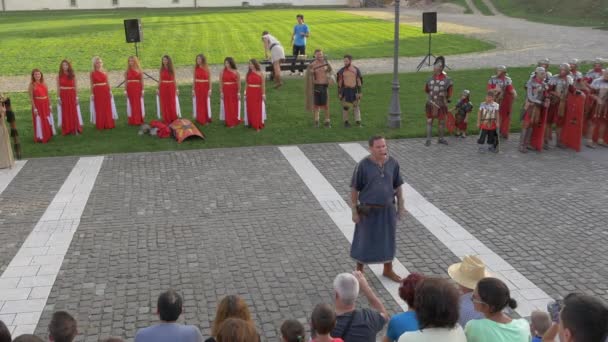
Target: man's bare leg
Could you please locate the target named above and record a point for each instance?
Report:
(389, 273)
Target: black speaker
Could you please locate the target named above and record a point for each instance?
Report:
(133, 32)
(429, 22)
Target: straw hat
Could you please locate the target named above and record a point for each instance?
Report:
(468, 272)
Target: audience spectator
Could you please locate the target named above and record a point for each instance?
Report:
(169, 308)
(583, 319)
(231, 306)
(405, 321)
(5, 334)
(466, 274)
(293, 331)
(352, 324)
(436, 303)
(322, 322)
(63, 327)
(237, 330)
(28, 338)
(540, 322)
(490, 298)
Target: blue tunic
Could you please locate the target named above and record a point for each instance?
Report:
(374, 239)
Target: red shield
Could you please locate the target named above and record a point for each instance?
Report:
(184, 129)
(505, 113)
(538, 131)
(573, 127)
(450, 122)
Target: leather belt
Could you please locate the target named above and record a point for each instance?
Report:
(130, 81)
(167, 81)
(254, 85)
(229, 83)
(40, 97)
(99, 84)
(202, 81)
(66, 88)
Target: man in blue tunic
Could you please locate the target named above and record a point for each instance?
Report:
(375, 184)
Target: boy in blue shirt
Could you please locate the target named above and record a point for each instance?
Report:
(298, 38)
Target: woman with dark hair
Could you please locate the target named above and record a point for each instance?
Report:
(292, 331)
(231, 306)
(405, 321)
(134, 91)
(68, 108)
(44, 127)
(5, 334)
(436, 303)
(201, 91)
(167, 102)
(103, 109)
(255, 97)
(490, 297)
(230, 93)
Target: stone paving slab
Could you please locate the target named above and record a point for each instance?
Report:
(26, 198)
(208, 223)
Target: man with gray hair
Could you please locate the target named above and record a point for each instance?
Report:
(352, 324)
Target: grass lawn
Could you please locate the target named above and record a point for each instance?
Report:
(561, 12)
(482, 7)
(288, 122)
(43, 39)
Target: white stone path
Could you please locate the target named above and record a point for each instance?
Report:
(27, 281)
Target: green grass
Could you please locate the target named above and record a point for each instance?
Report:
(288, 122)
(482, 7)
(42, 39)
(562, 12)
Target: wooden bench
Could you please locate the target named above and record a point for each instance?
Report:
(291, 63)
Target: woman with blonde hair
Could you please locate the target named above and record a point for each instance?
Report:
(103, 109)
(68, 108)
(44, 125)
(134, 91)
(167, 103)
(201, 91)
(231, 306)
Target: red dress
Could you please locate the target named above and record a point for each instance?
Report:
(71, 119)
(134, 88)
(43, 130)
(167, 94)
(230, 89)
(255, 104)
(201, 92)
(102, 100)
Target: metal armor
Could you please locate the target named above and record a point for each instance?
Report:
(500, 84)
(536, 91)
(438, 91)
(561, 87)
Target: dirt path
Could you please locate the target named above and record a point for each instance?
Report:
(518, 43)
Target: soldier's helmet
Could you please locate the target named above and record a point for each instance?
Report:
(466, 93)
(573, 61)
(544, 61)
(501, 68)
(564, 66)
(540, 71)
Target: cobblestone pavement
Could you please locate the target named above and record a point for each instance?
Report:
(208, 223)
(220, 221)
(25, 200)
(518, 43)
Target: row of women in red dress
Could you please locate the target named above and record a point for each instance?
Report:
(103, 109)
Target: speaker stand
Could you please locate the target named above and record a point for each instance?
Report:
(145, 73)
(427, 58)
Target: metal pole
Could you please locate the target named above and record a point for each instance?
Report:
(394, 114)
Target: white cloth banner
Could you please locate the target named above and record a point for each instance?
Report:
(114, 112)
(143, 109)
(209, 107)
(157, 107)
(59, 114)
(128, 107)
(245, 113)
(92, 111)
(177, 107)
(79, 113)
(38, 127)
(194, 107)
(222, 113)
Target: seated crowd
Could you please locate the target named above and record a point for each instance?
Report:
(438, 311)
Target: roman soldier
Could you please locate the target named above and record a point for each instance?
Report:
(501, 86)
(536, 102)
(599, 90)
(439, 90)
(558, 86)
(545, 64)
(590, 125)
